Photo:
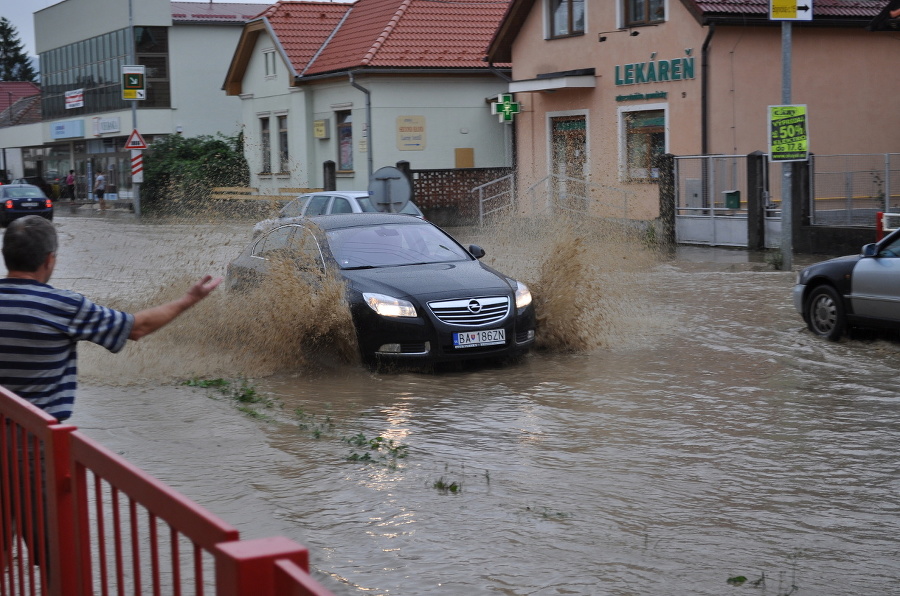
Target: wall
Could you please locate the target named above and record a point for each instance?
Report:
(73, 20)
(842, 75)
(198, 60)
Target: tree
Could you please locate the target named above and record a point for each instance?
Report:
(180, 173)
(15, 65)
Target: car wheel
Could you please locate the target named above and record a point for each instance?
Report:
(825, 313)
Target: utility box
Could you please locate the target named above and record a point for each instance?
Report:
(732, 199)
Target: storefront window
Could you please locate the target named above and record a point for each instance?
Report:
(645, 140)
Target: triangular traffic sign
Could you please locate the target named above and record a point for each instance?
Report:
(135, 141)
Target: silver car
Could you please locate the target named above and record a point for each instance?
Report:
(330, 202)
(854, 291)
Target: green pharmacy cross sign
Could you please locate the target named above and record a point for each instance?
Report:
(505, 107)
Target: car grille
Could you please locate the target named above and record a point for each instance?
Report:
(471, 311)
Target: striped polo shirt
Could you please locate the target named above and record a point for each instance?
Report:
(40, 327)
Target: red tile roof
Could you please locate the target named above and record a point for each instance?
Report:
(304, 27)
(215, 12)
(760, 8)
(12, 91)
(388, 33)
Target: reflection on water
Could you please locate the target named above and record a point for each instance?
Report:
(683, 430)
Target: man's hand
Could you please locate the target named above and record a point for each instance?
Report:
(149, 320)
(203, 288)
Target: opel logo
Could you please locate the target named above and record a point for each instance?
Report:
(474, 307)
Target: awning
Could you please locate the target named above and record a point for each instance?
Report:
(569, 79)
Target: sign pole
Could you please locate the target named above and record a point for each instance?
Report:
(787, 208)
(135, 186)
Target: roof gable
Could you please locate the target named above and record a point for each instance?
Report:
(298, 29)
(409, 34)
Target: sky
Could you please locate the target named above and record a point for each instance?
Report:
(21, 14)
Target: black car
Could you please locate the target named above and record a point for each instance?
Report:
(854, 291)
(19, 200)
(415, 294)
(40, 182)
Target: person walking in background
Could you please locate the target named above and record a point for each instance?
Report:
(40, 326)
(70, 184)
(100, 189)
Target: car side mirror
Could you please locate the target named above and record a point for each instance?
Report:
(870, 250)
(476, 251)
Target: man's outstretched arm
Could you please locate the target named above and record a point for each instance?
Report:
(150, 319)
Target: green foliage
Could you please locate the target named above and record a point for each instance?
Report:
(378, 449)
(447, 486)
(180, 173)
(15, 65)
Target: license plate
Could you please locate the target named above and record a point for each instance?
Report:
(474, 339)
(29, 204)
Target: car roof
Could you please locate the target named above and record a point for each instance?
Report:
(353, 220)
(356, 194)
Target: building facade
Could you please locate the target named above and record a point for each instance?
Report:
(604, 87)
(83, 45)
(367, 85)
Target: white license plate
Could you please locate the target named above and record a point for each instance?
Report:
(28, 204)
(474, 339)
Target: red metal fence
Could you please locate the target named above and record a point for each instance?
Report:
(76, 519)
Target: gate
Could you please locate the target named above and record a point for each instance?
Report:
(709, 207)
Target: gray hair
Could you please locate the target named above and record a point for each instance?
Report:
(27, 242)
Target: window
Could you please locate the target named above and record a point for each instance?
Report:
(269, 59)
(642, 12)
(283, 154)
(265, 141)
(566, 18)
(344, 121)
(645, 140)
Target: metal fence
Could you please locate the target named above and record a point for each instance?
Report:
(76, 519)
(848, 190)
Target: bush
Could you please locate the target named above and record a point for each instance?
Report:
(180, 173)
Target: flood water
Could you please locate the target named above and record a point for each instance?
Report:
(678, 428)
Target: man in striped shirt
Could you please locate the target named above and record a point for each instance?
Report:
(40, 325)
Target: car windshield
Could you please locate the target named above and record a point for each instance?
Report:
(392, 245)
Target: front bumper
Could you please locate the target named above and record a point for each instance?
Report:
(422, 339)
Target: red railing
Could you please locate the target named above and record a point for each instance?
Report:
(77, 519)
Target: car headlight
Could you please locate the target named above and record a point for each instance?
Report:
(523, 295)
(388, 306)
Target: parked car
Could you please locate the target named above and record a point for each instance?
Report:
(854, 291)
(38, 181)
(19, 200)
(332, 203)
(415, 294)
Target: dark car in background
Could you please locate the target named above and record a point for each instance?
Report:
(415, 294)
(854, 291)
(41, 183)
(19, 200)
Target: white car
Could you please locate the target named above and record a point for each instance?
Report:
(331, 202)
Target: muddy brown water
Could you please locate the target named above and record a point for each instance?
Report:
(678, 428)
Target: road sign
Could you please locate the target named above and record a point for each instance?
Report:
(790, 10)
(135, 141)
(137, 167)
(788, 133)
(389, 190)
(133, 83)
